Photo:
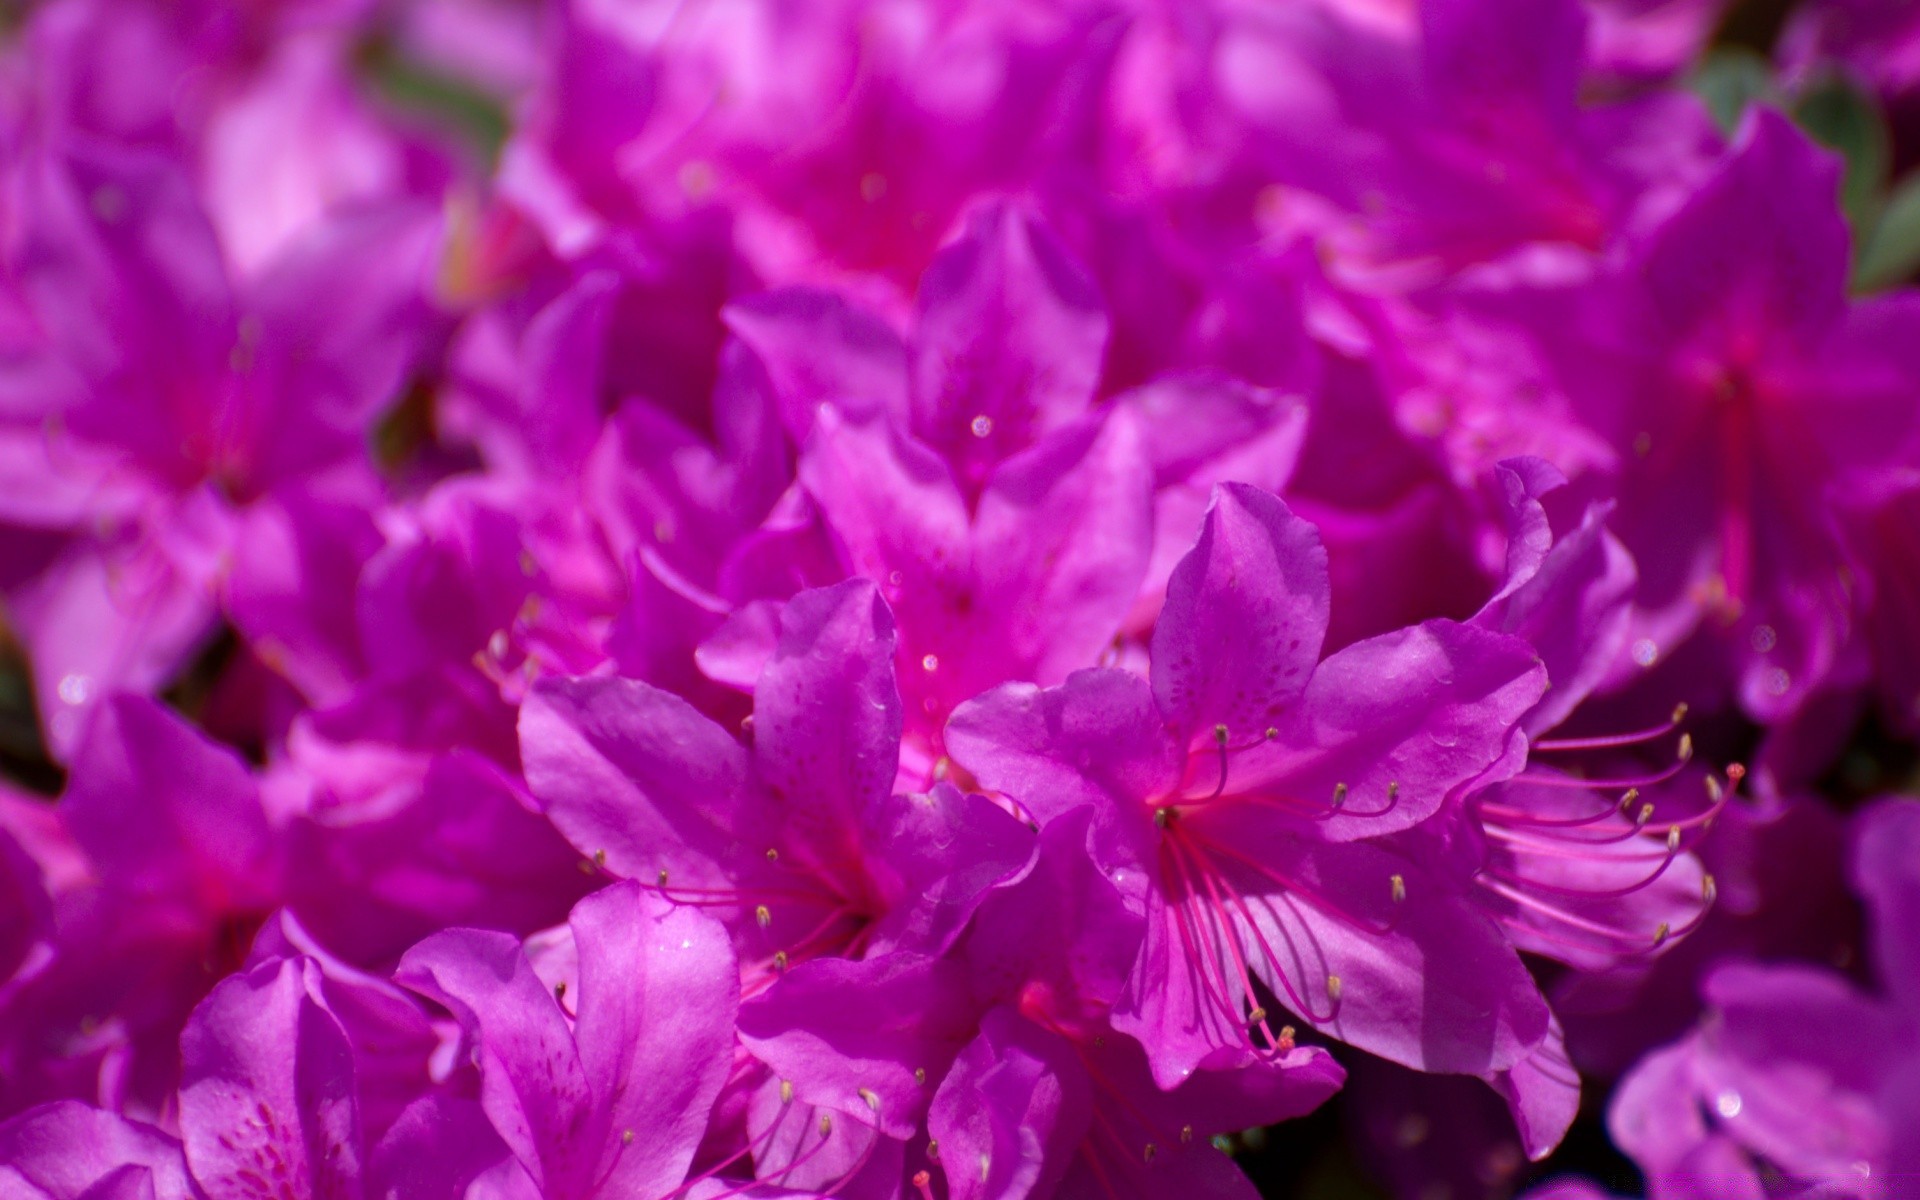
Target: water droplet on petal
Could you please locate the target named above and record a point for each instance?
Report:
(982, 426)
(1764, 639)
(1645, 653)
(1778, 681)
(931, 662)
(1728, 1104)
(75, 689)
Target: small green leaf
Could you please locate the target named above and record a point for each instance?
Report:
(1844, 118)
(1730, 80)
(1891, 252)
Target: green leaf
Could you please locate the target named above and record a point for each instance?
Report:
(1891, 253)
(1845, 118)
(1730, 80)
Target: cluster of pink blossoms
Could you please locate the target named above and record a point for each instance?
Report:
(959, 599)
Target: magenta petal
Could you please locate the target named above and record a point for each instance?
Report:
(851, 1035)
(658, 991)
(1568, 599)
(1061, 538)
(826, 712)
(1761, 245)
(632, 772)
(1133, 1110)
(267, 1087)
(532, 1083)
(818, 349)
(1098, 739)
(1401, 720)
(1542, 1092)
(893, 507)
(945, 853)
(1655, 1114)
(1011, 1112)
(1886, 851)
(1008, 344)
(67, 1149)
(165, 811)
(1245, 615)
(436, 1148)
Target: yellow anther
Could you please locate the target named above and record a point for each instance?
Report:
(1686, 747)
(986, 1167)
(920, 1076)
(599, 858)
(1660, 934)
(786, 1091)
(1679, 712)
(1673, 838)
(1149, 1151)
(1339, 794)
(780, 961)
(626, 1137)
(933, 1150)
(1272, 733)
(1220, 734)
(663, 877)
(826, 1124)
(1333, 987)
(873, 1101)
(773, 855)
(1186, 1135)
(1709, 890)
(560, 990)
(1399, 889)
(763, 916)
(1161, 816)
(1393, 790)
(1644, 815)
(1257, 1015)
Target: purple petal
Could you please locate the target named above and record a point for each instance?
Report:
(1397, 723)
(436, 1149)
(1011, 1112)
(67, 1148)
(818, 349)
(1762, 245)
(1098, 740)
(1061, 539)
(851, 1035)
(658, 991)
(826, 713)
(532, 1083)
(1008, 344)
(633, 772)
(1245, 615)
(1542, 1092)
(164, 811)
(942, 852)
(267, 1096)
(1886, 849)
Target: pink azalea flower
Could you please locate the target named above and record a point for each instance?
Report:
(1239, 798)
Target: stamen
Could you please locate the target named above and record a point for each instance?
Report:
(1617, 740)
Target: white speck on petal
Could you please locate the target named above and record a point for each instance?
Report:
(75, 689)
(1728, 1104)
